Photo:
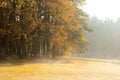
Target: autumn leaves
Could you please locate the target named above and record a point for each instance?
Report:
(41, 28)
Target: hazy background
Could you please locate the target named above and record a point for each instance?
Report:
(103, 8)
(104, 41)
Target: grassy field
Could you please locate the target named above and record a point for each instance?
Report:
(61, 69)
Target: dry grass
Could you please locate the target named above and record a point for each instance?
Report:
(62, 69)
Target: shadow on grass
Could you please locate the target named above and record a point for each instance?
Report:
(9, 63)
(18, 62)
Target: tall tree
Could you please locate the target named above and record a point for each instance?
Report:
(42, 28)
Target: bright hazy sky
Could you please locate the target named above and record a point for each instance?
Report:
(103, 8)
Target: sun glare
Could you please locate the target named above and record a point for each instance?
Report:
(103, 8)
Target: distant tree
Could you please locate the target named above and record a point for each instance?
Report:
(104, 40)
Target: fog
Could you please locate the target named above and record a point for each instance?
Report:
(104, 41)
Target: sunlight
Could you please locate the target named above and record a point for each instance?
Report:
(103, 8)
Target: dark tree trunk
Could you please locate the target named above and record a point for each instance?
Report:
(54, 52)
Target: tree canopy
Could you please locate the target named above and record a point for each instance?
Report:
(42, 28)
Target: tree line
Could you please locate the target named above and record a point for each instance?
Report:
(104, 40)
(42, 28)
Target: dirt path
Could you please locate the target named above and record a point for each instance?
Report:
(62, 69)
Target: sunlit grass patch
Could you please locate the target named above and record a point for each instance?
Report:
(74, 70)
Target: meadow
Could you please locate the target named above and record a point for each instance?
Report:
(60, 69)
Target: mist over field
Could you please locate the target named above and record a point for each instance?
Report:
(104, 41)
(59, 40)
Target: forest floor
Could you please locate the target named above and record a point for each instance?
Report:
(61, 69)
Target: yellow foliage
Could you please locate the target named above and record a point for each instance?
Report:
(2, 32)
(82, 37)
(62, 11)
(3, 4)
